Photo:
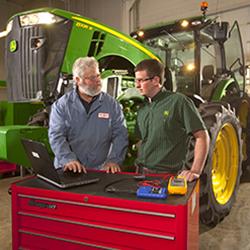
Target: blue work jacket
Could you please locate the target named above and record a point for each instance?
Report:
(92, 138)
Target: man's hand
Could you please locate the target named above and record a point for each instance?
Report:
(111, 167)
(74, 166)
(189, 175)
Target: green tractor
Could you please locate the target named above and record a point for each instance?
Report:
(42, 45)
(205, 61)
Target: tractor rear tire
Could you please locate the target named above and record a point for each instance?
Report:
(241, 104)
(221, 175)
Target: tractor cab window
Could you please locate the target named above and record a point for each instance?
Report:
(177, 52)
(235, 56)
(207, 64)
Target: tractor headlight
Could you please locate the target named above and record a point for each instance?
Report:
(184, 23)
(39, 18)
(190, 67)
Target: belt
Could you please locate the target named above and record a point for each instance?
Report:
(144, 170)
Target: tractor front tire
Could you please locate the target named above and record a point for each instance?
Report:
(221, 175)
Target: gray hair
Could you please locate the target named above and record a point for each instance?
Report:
(82, 64)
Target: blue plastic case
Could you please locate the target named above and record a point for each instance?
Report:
(151, 192)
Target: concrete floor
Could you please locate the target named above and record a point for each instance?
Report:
(5, 214)
(233, 233)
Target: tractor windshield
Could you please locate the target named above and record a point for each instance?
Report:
(177, 50)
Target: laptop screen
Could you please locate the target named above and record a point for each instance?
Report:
(40, 159)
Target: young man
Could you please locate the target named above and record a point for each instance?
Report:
(164, 125)
(87, 128)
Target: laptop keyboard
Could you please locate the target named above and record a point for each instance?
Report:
(67, 177)
(71, 174)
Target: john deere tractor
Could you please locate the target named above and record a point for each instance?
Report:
(203, 58)
(205, 61)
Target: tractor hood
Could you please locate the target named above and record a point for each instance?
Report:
(34, 55)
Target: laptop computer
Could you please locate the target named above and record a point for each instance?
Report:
(43, 166)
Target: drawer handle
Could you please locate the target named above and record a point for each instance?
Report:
(82, 243)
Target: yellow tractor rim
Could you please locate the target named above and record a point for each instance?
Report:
(225, 162)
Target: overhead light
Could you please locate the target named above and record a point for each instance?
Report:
(39, 18)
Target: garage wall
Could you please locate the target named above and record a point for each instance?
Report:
(108, 12)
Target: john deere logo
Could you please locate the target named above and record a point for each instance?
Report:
(13, 46)
(166, 113)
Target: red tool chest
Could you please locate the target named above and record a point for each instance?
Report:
(6, 167)
(88, 217)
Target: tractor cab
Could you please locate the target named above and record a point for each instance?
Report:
(202, 56)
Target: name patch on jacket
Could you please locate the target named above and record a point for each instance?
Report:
(103, 115)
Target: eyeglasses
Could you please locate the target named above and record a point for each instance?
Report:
(93, 78)
(143, 80)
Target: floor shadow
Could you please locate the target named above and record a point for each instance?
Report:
(203, 228)
(245, 177)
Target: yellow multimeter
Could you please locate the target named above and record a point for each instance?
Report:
(177, 185)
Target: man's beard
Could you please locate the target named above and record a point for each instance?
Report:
(88, 91)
